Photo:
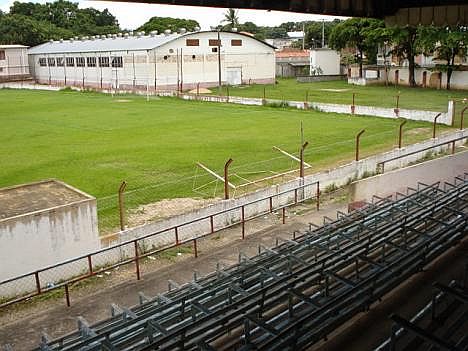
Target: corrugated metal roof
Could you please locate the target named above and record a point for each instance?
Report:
(146, 42)
(13, 47)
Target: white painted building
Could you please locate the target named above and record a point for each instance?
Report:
(13, 62)
(154, 62)
(324, 61)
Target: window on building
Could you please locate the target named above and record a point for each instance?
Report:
(193, 57)
(70, 61)
(236, 42)
(51, 61)
(1, 69)
(60, 61)
(166, 57)
(214, 42)
(103, 62)
(91, 61)
(192, 42)
(42, 62)
(80, 61)
(2, 55)
(117, 61)
(171, 51)
(214, 49)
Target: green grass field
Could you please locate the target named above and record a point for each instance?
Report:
(410, 98)
(93, 141)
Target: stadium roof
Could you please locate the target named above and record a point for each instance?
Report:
(439, 12)
(114, 43)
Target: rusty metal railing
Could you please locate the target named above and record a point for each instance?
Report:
(299, 195)
(381, 165)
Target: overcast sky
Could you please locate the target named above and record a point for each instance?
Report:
(132, 15)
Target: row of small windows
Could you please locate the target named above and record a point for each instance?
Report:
(212, 42)
(115, 61)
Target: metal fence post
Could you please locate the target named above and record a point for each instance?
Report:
(401, 134)
(303, 146)
(67, 295)
(462, 117)
(397, 109)
(226, 180)
(122, 205)
(358, 137)
(243, 221)
(434, 125)
(137, 260)
(317, 192)
(353, 106)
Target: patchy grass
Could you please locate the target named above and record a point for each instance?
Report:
(91, 141)
(340, 92)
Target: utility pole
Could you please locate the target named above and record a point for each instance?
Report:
(323, 33)
(219, 62)
(303, 35)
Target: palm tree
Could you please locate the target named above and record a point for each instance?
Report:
(231, 19)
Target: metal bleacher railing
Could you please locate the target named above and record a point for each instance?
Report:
(441, 324)
(292, 295)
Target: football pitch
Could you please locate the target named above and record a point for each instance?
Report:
(95, 141)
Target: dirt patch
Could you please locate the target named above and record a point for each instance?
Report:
(418, 131)
(335, 90)
(165, 208)
(200, 91)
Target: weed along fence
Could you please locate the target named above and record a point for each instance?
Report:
(416, 115)
(133, 251)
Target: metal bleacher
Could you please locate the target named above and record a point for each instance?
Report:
(296, 293)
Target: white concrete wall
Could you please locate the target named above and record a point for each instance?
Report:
(416, 115)
(328, 60)
(39, 239)
(443, 169)
(165, 66)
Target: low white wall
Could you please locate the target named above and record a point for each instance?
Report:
(416, 115)
(39, 239)
(443, 169)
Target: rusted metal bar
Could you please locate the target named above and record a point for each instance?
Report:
(198, 89)
(211, 224)
(137, 260)
(122, 205)
(243, 221)
(434, 125)
(284, 215)
(176, 232)
(353, 106)
(38, 282)
(453, 147)
(462, 117)
(401, 134)
(90, 265)
(317, 193)
(358, 137)
(303, 146)
(195, 249)
(227, 93)
(226, 180)
(295, 196)
(67, 295)
(271, 204)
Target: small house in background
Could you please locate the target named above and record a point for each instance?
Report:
(13, 63)
(292, 62)
(324, 61)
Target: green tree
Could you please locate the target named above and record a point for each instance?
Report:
(313, 32)
(162, 23)
(354, 32)
(231, 19)
(406, 45)
(447, 43)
